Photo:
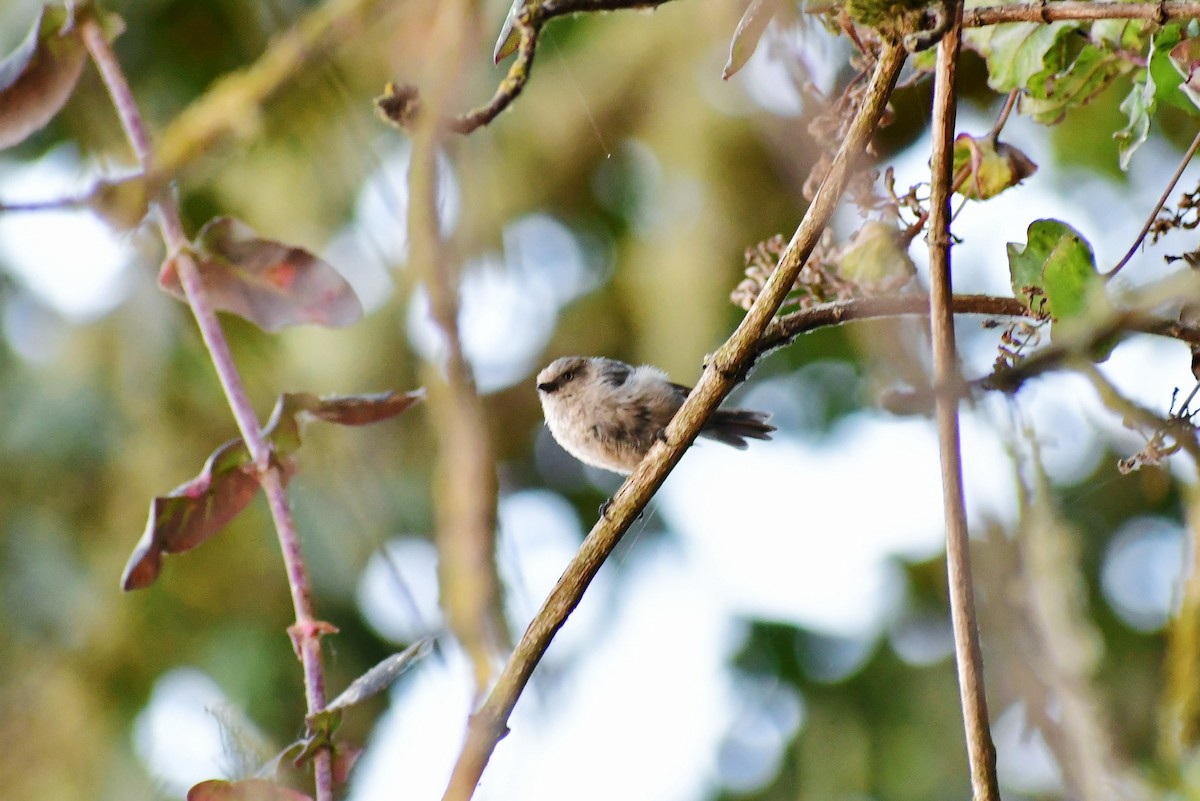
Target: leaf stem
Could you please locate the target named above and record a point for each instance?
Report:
(307, 629)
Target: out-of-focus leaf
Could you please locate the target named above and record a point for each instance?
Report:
(1185, 57)
(1020, 55)
(192, 512)
(344, 756)
(244, 790)
(876, 258)
(1168, 83)
(37, 78)
(875, 13)
(506, 42)
(1138, 105)
(123, 203)
(195, 511)
(271, 284)
(1054, 273)
(748, 34)
(992, 166)
(1077, 83)
(1120, 34)
(380, 677)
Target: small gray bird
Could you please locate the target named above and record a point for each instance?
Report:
(607, 413)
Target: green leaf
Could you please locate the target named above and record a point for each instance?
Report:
(1054, 273)
(748, 34)
(1138, 105)
(1086, 76)
(876, 258)
(37, 78)
(1167, 80)
(991, 166)
(1021, 55)
(271, 284)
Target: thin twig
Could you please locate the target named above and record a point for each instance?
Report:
(402, 105)
(1080, 10)
(981, 753)
(785, 329)
(1162, 201)
(307, 630)
(490, 722)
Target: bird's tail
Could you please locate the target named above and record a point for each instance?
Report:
(734, 426)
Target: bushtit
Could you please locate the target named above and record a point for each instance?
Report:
(607, 414)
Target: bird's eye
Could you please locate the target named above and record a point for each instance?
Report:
(567, 377)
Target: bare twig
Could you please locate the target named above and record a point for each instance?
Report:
(490, 722)
(1080, 10)
(981, 752)
(401, 105)
(307, 630)
(1162, 201)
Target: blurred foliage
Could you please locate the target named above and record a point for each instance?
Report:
(664, 174)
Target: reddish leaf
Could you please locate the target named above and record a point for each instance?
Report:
(344, 757)
(359, 410)
(192, 512)
(1185, 57)
(244, 790)
(271, 284)
(37, 78)
(195, 511)
(283, 429)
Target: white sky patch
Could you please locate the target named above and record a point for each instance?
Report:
(381, 214)
(70, 259)
(178, 735)
(398, 590)
(650, 694)
(804, 532)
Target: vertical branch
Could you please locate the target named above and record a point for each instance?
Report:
(465, 483)
(307, 630)
(980, 751)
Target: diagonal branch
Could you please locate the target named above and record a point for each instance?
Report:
(490, 722)
(981, 753)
